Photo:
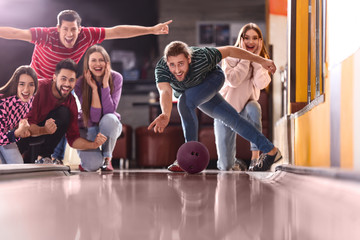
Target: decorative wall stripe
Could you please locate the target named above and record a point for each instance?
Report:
(335, 98)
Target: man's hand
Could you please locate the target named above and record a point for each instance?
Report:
(99, 140)
(50, 126)
(160, 123)
(162, 28)
(269, 65)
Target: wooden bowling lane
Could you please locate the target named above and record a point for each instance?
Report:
(157, 204)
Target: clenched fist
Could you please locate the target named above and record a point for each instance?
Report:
(50, 126)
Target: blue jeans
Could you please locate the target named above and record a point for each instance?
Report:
(205, 96)
(10, 154)
(225, 137)
(59, 151)
(110, 126)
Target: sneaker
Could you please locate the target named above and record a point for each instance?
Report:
(57, 161)
(81, 168)
(44, 160)
(252, 164)
(239, 165)
(265, 161)
(175, 167)
(107, 166)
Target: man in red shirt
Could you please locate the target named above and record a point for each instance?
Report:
(54, 114)
(70, 40)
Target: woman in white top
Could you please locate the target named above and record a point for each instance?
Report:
(243, 82)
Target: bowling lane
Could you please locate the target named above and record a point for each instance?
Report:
(157, 204)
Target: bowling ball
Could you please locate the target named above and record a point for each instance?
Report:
(193, 157)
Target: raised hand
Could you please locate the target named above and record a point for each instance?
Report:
(90, 80)
(242, 44)
(162, 28)
(259, 47)
(106, 77)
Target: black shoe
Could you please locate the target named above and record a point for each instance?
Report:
(265, 161)
(253, 162)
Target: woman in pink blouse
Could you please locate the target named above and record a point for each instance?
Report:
(243, 82)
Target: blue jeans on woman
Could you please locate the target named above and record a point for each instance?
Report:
(111, 127)
(10, 154)
(205, 96)
(225, 137)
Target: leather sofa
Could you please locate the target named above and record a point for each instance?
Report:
(159, 150)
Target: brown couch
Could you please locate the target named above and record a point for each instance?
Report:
(159, 150)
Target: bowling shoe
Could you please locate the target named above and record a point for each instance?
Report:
(253, 162)
(175, 167)
(107, 166)
(239, 165)
(57, 161)
(265, 161)
(81, 168)
(44, 160)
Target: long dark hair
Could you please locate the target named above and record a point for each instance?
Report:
(85, 88)
(10, 88)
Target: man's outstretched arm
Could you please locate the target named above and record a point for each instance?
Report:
(15, 33)
(235, 52)
(129, 31)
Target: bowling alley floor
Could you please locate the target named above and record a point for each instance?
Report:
(51, 202)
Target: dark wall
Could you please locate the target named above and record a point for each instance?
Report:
(104, 13)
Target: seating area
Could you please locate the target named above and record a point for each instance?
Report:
(122, 153)
(158, 150)
(154, 150)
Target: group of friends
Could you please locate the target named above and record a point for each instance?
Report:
(45, 103)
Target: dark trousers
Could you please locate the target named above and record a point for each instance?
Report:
(44, 145)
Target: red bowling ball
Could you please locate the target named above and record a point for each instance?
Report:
(193, 157)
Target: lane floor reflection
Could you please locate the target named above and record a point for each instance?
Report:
(157, 204)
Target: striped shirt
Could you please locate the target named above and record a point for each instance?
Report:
(12, 110)
(203, 61)
(49, 50)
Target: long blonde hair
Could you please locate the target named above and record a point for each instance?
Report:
(256, 28)
(85, 88)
